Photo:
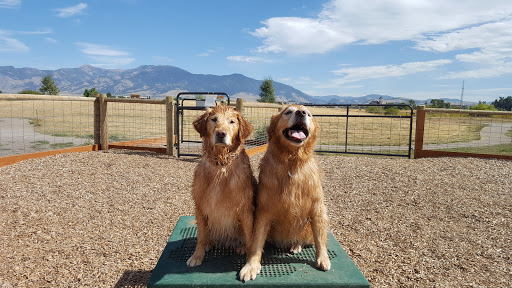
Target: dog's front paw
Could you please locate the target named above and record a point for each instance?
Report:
(323, 262)
(296, 249)
(249, 271)
(195, 260)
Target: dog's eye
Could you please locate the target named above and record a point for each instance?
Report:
(288, 112)
(214, 119)
(232, 122)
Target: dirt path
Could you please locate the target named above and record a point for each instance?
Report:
(18, 136)
(493, 134)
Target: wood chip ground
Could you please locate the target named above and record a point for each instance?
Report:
(102, 219)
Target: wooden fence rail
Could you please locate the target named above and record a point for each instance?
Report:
(419, 152)
(101, 127)
(101, 135)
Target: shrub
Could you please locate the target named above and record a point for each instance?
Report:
(27, 91)
(483, 106)
(374, 109)
(391, 111)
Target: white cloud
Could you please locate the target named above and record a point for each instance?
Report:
(105, 55)
(35, 32)
(8, 44)
(50, 40)
(111, 62)
(495, 37)
(206, 53)
(10, 3)
(344, 22)
(71, 11)
(301, 35)
(489, 72)
(100, 50)
(354, 74)
(493, 44)
(247, 59)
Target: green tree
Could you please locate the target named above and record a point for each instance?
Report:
(48, 86)
(439, 103)
(109, 95)
(91, 93)
(413, 105)
(503, 103)
(483, 106)
(267, 91)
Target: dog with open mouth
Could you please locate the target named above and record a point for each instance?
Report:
(224, 186)
(290, 210)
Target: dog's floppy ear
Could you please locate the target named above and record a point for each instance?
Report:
(271, 130)
(200, 123)
(244, 128)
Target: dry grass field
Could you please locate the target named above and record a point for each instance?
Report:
(129, 121)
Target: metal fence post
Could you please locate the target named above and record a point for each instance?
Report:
(420, 130)
(169, 122)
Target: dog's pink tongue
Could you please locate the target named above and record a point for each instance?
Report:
(297, 134)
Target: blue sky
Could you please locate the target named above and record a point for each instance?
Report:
(417, 49)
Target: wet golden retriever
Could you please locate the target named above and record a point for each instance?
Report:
(223, 187)
(290, 209)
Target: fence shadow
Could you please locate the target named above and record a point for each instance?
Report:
(133, 278)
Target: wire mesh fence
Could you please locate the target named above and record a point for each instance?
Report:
(468, 131)
(343, 128)
(364, 129)
(129, 122)
(259, 115)
(40, 123)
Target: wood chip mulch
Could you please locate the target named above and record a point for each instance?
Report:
(102, 219)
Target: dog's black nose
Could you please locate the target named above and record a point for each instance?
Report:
(300, 113)
(221, 134)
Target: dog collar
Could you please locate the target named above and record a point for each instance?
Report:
(223, 160)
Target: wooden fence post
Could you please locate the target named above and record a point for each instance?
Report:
(420, 130)
(280, 108)
(169, 125)
(97, 121)
(103, 122)
(239, 105)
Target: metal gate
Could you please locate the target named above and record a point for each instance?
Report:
(385, 131)
(189, 105)
(367, 129)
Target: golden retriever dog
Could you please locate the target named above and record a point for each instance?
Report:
(223, 187)
(290, 209)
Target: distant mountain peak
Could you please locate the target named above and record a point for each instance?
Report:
(163, 80)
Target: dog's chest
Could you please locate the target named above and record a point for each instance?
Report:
(221, 211)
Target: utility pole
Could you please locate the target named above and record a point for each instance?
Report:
(462, 95)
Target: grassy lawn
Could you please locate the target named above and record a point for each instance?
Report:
(504, 149)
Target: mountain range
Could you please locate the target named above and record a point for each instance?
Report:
(161, 81)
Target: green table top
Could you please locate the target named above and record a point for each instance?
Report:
(221, 266)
